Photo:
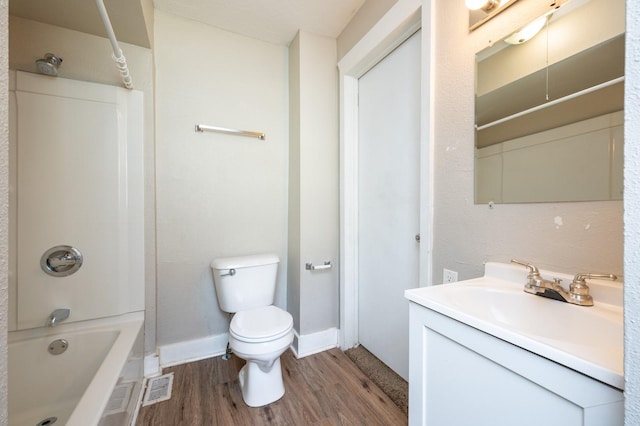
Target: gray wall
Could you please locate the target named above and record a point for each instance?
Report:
(4, 205)
(567, 237)
(218, 195)
(313, 183)
(366, 17)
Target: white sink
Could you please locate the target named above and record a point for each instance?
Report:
(586, 339)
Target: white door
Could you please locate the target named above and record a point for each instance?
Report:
(388, 202)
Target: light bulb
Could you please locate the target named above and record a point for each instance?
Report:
(481, 4)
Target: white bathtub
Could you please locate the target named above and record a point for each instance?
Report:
(96, 380)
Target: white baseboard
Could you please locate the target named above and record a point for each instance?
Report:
(152, 366)
(309, 344)
(192, 350)
(207, 347)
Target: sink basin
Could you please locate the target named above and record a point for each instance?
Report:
(587, 339)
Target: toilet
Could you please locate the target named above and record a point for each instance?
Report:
(259, 331)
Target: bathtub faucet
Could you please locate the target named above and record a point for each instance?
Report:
(58, 316)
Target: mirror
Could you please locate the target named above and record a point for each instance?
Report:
(549, 110)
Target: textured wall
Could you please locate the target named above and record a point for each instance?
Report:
(4, 204)
(567, 237)
(558, 236)
(632, 217)
(218, 195)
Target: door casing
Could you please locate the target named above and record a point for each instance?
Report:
(402, 20)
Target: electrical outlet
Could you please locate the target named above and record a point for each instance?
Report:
(449, 276)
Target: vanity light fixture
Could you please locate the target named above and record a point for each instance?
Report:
(485, 5)
(528, 31)
(481, 11)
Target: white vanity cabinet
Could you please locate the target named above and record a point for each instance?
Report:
(460, 375)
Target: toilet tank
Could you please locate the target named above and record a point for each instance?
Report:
(245, 282)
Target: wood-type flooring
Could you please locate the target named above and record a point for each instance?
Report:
(322, 389)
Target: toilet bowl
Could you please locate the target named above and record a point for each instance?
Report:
(259, 331)
(260, 336)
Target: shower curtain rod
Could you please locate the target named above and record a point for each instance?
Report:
(118, 56)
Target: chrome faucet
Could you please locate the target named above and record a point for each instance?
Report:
(58, 316)
(578, 293)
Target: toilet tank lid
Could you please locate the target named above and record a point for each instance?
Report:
(244, 261)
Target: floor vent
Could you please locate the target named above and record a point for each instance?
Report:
(119, 399)
(158, 389)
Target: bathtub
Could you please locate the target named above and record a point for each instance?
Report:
(93, 379)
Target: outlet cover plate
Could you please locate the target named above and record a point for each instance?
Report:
(449, 276)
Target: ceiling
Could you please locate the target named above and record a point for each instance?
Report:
(82, 15)
(274, 21)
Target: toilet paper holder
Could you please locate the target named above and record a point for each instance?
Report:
(312, 267)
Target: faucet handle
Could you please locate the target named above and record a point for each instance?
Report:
(581, 277)
(533, 270)
(579, 290)
(579, 284)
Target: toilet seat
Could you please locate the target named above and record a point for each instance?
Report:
(262, 324)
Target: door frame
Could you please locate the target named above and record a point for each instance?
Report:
(396, 26)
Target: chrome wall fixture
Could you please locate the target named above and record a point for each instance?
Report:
(57, 316)
(312, 267)
(60, 261)
(49, 64)
(58, 346)
(204, 128)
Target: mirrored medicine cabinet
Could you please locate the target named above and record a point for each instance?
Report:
(549, 110)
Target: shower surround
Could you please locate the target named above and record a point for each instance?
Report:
(76, 177)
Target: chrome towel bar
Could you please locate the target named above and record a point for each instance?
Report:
(203, 128)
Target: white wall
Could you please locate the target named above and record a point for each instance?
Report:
(568, 237)
(218, 195)
(631, 215)
(88, 58)
(4, 206)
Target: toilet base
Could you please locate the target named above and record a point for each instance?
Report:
(260, 388)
